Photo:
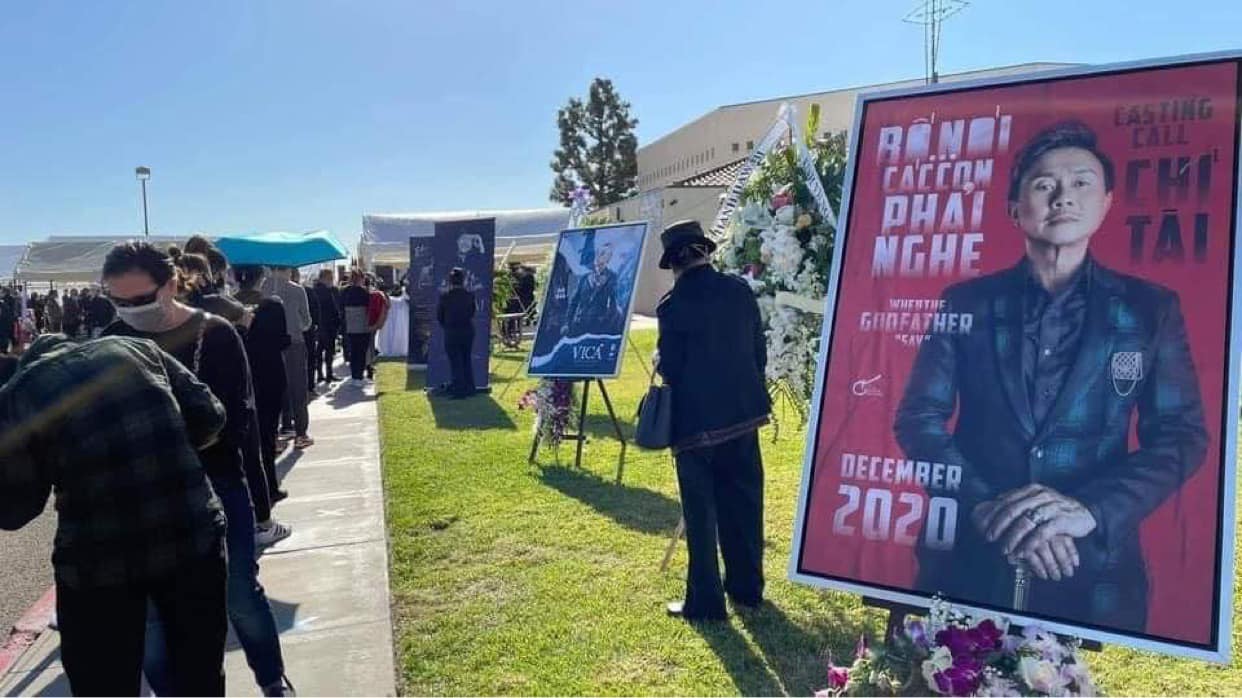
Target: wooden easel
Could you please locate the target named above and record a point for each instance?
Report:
(897, 620)
(581, 435)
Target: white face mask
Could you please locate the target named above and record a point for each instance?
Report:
(144, 318)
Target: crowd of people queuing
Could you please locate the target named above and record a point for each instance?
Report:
(154, 407)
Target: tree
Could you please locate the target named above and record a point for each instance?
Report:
(598, 147)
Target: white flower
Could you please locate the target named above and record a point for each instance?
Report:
(755, 215)
(1041, 675)
(939, 660)
(1076, 673)
(785, 215)
(1044, 643)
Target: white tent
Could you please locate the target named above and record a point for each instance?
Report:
(529, 233)
(10, 255)
(73, 259)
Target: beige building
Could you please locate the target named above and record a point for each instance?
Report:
(682, 175)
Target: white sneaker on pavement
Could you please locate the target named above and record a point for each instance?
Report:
(272, 533)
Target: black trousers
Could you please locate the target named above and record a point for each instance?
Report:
(722, 499)
(269, 400)
(457, 345)
(256, 474)
(325, 355)
(357, 353)
(102, 632)
(312, 351)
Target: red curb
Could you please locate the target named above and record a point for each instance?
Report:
(26, 630)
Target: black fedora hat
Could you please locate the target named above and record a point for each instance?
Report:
(680, 234)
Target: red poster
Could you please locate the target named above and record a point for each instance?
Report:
(1025, 402)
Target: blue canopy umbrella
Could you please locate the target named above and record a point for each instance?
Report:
(282, 249)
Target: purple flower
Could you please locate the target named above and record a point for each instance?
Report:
(962, 642)
(986, 636)
(838, 676)
(958, 640)
(961, 679)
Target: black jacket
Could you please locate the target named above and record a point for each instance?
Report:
(456, 311)
(1081, 449)
(224, 367)
(329, 298)
(713, 354)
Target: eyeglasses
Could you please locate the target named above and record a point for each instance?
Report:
(135, 301)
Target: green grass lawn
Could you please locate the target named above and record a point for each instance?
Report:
(510, 578)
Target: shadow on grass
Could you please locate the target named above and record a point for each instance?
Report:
(749, 673)
(635, 508)
(478, 412)
(794, 654)
(415, 380)
(792, 659)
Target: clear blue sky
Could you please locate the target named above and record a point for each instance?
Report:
(304, 114)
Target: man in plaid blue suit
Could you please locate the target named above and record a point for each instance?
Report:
(1063, 352)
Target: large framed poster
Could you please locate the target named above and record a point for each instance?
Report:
(587, 303)
(1026, 399)
(471, 246)
(424, 293)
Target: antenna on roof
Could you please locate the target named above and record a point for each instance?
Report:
(930, 14)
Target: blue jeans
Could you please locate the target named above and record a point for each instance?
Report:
(248, 608)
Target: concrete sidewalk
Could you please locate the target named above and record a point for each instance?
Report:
(328, 582)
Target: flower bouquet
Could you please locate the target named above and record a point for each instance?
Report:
(779, 242)
(553, 403)
(955, 654)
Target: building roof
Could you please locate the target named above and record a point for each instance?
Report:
(722, 176)
(399, 227)
(1032, 67)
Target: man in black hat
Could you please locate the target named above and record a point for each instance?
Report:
(713, 355)
(456, 316)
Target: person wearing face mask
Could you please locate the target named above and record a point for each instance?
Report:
(142, 283)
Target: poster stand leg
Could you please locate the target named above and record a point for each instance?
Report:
(581, 436)
(582, 410)
(534, 448)
(672, 544)
(511, 378)
(897, 613)
(616, 426)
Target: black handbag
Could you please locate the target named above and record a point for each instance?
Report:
(655, 417)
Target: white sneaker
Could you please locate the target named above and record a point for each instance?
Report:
(272, 533)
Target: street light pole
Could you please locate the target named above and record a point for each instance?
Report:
(143, 174)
